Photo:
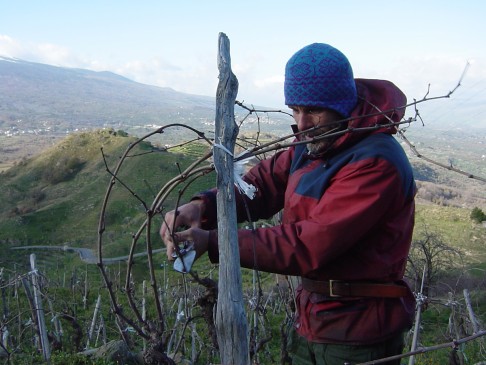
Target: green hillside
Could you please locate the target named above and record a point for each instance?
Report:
(55, 198)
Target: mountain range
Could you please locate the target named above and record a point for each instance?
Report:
(44, 96)
(51, 99)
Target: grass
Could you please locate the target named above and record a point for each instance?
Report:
(435, 330)
(456, 229)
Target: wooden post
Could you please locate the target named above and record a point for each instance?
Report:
(35, 322)
(74, 279)
(5, 334)
(418, 317)
(57, 323)
(86, 289)
(231, 324)
(102, 329)
(46, 350)
(470, 311)
(93, 321)
(144, 309)
(4, 296)
(19, 311)
(179, 318)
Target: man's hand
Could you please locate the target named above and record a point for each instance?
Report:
(188, 215)
(199, 238)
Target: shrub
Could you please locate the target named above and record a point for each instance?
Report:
(477, 215)
(38, 195)
(64, 169)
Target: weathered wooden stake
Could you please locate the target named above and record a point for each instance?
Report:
(101, 330)
(74, 279)
(418, 318)
(231, 324)
(35, 322)
(46, 350)
(5, 335)
(4, 296)
(470, 311)
(86, 289)
(57, 323)
(144, 309)
(179, 318)
(19, 311)
(93, 321)
(194, 336)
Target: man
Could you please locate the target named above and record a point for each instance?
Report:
(348, 213)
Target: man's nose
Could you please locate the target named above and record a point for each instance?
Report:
(304, 121)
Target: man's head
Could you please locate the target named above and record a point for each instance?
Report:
(319, 75)
(320, 90)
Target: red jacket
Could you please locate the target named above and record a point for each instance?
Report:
(347, 215)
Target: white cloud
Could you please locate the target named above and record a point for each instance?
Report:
(44, 53)
(9, 47)
(55, 55)
(269, 81)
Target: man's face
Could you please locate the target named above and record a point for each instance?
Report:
(318, 121)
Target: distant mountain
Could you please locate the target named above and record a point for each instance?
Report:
(44, 99)
(44, 96)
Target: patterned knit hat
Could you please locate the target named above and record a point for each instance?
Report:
(320, 75)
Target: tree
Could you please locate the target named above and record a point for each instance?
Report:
(432, 254)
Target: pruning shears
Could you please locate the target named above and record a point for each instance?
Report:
(185, 257)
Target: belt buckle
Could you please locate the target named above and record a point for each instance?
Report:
(331, 293)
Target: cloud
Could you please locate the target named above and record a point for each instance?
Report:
(269, 82)
(414, 74)
(197, 78)
(9, 47)
(436, 76)
(56, 55)
(43, 53)
(146, 71)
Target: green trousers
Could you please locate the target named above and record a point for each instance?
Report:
(303, 352)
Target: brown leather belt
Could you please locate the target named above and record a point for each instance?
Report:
(338, 288)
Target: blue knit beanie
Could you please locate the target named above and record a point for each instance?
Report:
(320, 75)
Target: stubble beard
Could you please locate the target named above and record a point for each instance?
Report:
(322, 145)
(319, 146)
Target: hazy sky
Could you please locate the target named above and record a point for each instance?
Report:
(174, 43)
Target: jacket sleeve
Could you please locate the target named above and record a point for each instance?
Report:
(345, 219)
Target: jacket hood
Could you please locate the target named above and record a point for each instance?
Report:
(379, 103)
